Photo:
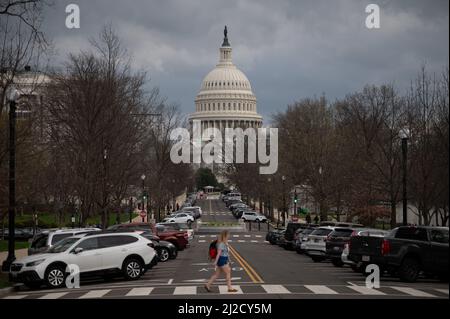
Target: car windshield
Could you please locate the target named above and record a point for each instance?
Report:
(63, 245)
(321, 232)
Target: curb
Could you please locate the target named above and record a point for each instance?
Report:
(6, 291)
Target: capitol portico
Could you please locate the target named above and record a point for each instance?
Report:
(226, 99)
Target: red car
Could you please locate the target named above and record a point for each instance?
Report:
(178, 238)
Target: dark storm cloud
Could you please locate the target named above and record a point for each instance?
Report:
(288, 49)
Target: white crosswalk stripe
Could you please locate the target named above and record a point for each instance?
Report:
(224, 290)
(443, 291)
(275, 289)
(321, 290)
(185, 290)
(413, 292)
(95, 294)
(55, 295)
(367, 291)
(271, 289)
(137, 292)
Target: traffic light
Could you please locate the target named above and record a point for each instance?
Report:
(295, 199)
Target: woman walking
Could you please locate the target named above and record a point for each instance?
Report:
(222, 262)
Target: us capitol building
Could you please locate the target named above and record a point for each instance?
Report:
(226, 99)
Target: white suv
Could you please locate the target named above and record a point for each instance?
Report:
(128, 254)
(180, 218)
(315, 245)
(248, 216)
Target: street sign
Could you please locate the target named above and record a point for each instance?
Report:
(143, 213)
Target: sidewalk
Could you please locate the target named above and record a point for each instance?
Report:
(20, 253)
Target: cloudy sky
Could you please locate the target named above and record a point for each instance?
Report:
(288, 49)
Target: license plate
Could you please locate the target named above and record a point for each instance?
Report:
(336, 248)
(365, 258)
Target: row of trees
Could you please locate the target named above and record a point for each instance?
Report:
(97, 129)
(348, 153)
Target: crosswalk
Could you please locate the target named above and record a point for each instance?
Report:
(267, 289)
(240, 239)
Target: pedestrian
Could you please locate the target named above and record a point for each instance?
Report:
(178, 207)
(222, 262)
(308, 219)
(316, 219)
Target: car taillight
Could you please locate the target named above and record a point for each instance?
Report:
(385, 247)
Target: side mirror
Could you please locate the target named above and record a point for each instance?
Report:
(77, 250)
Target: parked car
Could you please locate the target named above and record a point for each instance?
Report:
(406, 252)
(359, 232)
(252, 216)
(46, 239)
(290, 232)
(179, 218)
(335, 244)
(315, 245)
(19, 234)
(96, 254)
(183, 227)
(164, 249)
(196, 210)
(340, 224)
(273, 235)
(179, 238)
(300, 243)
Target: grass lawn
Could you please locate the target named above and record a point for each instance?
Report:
(19, 245)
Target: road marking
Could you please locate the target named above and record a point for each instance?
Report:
(247, 236)
(266, 242)
(205, 280)
(15, 297)
(188, 290)
(258, 236)
(202, 236)
(95, 294)
(170, 281)
(414, 292)
(275, 289)
(366, 291)
(444, 291)
(321, 290)
(254, 241)
(136, 292)
(230, 240)
(241, 241)
(236, 236)
(54, 295)
(224, 290)
(202, 241)
(248, 269)
(212, 236)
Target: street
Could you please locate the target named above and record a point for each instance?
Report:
(259, 270)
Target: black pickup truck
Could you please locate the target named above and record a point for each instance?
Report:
(405, 252)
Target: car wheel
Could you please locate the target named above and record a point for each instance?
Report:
(174, 254)
(337, 262)
(299, 251)
(164, 255)
(55, 276)
(409, 270)
(133, 269)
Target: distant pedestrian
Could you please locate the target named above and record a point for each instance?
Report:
(178, 207)
(316, 219)
(222, 262)
(308, 219)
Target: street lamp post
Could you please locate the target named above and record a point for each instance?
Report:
(131, 209)
(404, 135)
(283, 179)
(144, 197)
(14, 95)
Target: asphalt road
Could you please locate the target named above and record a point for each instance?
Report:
(260, 270)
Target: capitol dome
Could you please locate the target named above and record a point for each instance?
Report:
(226, 99)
